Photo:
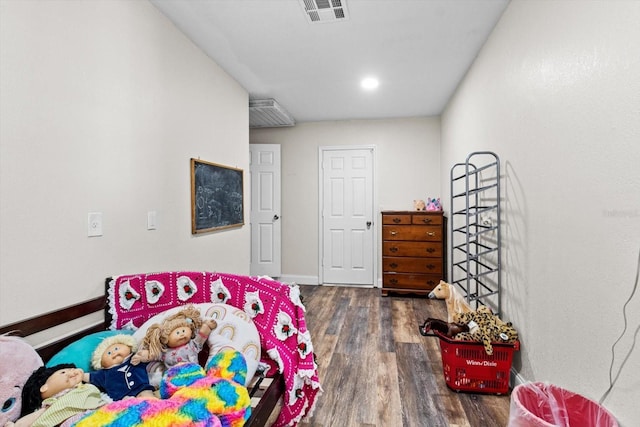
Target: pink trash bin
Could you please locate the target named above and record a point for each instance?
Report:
(545, 405)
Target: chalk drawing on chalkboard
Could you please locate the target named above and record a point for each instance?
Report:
(216, 197)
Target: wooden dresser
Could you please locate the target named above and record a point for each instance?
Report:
(413, 251)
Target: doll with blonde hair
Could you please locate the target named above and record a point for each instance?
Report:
(115, 373)
(178, 339)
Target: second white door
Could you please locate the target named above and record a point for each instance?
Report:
(347, 229)
(265, 210)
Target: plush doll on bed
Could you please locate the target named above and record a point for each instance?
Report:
(17, 361)
(178, 339)
(55, 396)
(115, 373)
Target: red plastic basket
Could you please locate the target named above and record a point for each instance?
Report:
(468, 367)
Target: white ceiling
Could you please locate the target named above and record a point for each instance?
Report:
(418, 49)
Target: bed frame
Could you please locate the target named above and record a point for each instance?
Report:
(265, 393)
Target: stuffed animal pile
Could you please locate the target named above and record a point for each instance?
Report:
(465, 324)
(190, 396)
(485, 327)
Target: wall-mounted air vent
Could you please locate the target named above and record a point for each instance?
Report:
(267, 113)
(319, 11)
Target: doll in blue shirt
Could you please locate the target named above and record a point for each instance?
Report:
(115, 374)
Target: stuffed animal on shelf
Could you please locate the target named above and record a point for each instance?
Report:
(55, 395)
(178, 339)
(17, 361)
(456, 303)
(115, 373)
(419, 205)
(485, 327)
(434, 204)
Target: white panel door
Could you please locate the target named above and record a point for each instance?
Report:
(347, 216)
(266, 259)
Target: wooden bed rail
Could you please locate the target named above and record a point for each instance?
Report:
(40, 323)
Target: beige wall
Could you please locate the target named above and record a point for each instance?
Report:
(407, 168)
(103, 104)
(555, 92)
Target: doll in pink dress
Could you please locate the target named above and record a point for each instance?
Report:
(178, 339)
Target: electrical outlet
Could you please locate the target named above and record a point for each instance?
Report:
(94, 224)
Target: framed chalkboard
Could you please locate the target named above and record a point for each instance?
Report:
(216, 197)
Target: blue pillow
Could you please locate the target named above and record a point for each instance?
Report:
(79, 352)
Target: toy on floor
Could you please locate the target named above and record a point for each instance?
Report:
(178, 339)
(17, 361)
(456, 303)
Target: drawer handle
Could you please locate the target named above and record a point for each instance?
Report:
(393, 232)
(393, 281)
(431, 250)
(396, 220)
(430, 266)
(431, 282)
(393, 265)
(431, 233)
(393, 249)
(426, 220)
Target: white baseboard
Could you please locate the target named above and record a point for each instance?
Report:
(299, 280)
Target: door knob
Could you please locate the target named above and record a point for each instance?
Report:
(276, 217)
(368, 224)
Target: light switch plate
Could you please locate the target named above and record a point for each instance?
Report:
(94, 224)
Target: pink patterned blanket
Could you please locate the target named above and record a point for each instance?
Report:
(275, 307)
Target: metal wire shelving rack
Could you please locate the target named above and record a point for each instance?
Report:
(475, 248)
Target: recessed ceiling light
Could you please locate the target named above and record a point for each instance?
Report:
(369, 83)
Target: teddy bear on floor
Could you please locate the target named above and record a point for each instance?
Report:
(17, 361)
(485, 327)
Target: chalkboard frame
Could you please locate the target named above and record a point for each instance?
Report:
(226, 209)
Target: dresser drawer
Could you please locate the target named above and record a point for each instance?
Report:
(396, 219)
(414, 249)
(412, 232)
(426, 219)
(422, 282)
(412, 265)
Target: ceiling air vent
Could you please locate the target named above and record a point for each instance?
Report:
(267, 113)
(319, 11)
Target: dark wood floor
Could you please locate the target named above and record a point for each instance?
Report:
(377, 370)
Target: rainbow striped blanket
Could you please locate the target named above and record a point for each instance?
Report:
(190, 397)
